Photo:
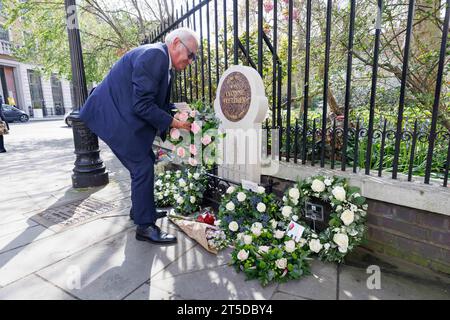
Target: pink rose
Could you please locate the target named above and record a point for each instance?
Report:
(268, 6)
(193, 149)
(181, 152)
(183, 116)
(175, 133)
(295, 14)
(195, 128)
(206, 140)
(192, 162)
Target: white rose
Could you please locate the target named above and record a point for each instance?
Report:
(353, 232)
(315, 245)
(257, 232)
(230, 206)
(191, 185)
(281, 263)
(260, 190)
(302, 242)
(363, 213)
(230, 190)
(217, 223)
(241, 196)
(295, 201)
(284, 199)
(274, 223)
(295, 217)
(247, 239)
(264, 249)
(192, 199)
(160, 197)
(327, 182)
(342, 241)
(257, 225)
(339, 193)
(158, 183)
(278, 234)
(239, 236)
(186, 189)
(294, 193)
(286, 211)
(196, 176)
(166, 194)
(261, 207)
(317, 185)
(233, 226)
(326, 246)
(365, 206)
(180, 200)
(290, 246)
(347, 217)
(242, 255)
(339, 208)
(182, 183)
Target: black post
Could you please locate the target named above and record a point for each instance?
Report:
(89, 169)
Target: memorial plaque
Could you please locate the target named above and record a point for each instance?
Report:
(235, 96)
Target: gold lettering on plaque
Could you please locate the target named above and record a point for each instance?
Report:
(235, 96)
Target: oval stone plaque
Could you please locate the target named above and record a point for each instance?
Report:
(235, 96)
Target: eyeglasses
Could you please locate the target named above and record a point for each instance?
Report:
(191, 56)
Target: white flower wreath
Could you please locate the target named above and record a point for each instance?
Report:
(346, 227)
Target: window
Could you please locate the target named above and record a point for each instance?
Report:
(37, 98)
(58, 101)
(4, 33)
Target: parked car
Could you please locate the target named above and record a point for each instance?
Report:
(66, 118)
(14, 114)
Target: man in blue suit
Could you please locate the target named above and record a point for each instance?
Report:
(130, 107)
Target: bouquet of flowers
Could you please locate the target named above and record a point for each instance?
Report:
(189, 188)
(208, 236)
(164, 190)
(200, 142)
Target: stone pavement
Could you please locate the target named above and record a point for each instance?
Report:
(61, 243)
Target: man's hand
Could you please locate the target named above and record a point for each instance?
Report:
(181, 124)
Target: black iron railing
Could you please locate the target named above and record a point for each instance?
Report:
(397, 146)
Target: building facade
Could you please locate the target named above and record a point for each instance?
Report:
(22, 85)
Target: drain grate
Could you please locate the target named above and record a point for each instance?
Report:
(76, 212)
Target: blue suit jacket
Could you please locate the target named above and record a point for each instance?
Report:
(131, 105)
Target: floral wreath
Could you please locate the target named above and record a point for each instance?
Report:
(346, 225)
(240, 208)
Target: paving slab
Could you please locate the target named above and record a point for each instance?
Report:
(20, 262)
(144, 292)
(24, 237)
(17, 225)
(33, 288)
(194, 260)
(320, 285)
(115, 267)
(219, 283)
(353, 286)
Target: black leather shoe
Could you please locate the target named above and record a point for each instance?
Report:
(154, 234)
(159, 214)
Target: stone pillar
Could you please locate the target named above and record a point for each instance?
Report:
(242, 106)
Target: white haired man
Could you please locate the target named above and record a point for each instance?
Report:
(130, 107)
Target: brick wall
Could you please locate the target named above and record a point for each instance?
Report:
(413, 235)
